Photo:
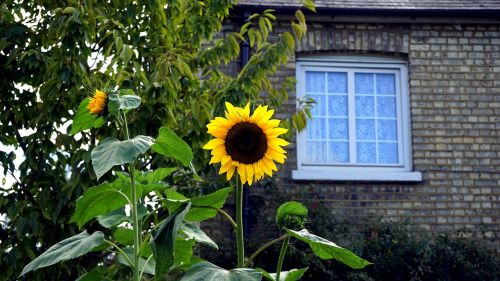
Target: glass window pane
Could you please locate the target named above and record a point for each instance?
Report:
(365, 106)
(337, 105)
(366, 152)
(338, 128)
(386, 107)
(316, 128)
(315, 82)
(337, 82)
(386, 84)
(338, 152)
(387, 130)
(316, 151)
(363, 83)
(320, 105)
(387, 153)
(365, 129)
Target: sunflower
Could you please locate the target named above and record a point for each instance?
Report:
(97, 103)
(248, 144)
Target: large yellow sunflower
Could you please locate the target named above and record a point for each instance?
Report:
(97, 103)
(248, 144)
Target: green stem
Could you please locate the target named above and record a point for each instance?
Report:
(262, 248)
(223, 213)
(120, 251)
(240, 244)
(281, 258)
(137, 227)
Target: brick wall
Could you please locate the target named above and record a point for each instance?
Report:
(454, 72)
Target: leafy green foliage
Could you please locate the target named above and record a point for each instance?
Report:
(111, 152)
(69, 248)
(207, 271)
(148, 264)
(291, 215)
(191, 231)
(85, 120)
(53, 55)
(203, 207)
(170, 145)
(291, 275)
(164, 241)
(328, 250)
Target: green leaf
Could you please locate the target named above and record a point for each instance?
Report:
(291, 275)
(69, 248)
(291, 208)
(183, 252)
(328, 250)
(208, 271)
(170, 145)
(84, 119)
(124, 236)
(97, 274)
(202, 205)
(193, 232)
(114, 218)
(100, 200)
(129, 251)
(111, 152)
(158, 175)
(124, 101)
(163, 243)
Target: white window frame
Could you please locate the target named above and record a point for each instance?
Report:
(401, 171)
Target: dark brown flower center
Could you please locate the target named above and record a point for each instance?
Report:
(246, 143)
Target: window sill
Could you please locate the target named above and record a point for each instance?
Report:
(303, 175)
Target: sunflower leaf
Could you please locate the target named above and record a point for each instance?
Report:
(325, 249)
(290, 209)
(85, 120)
(170, 145)
(111, 152)
(69, 248)
(208, 271)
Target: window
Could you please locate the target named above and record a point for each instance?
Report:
(360, 125)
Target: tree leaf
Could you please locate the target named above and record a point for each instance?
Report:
(163, 243)
(194, 232)
(328, 250)
(170, 145)
(69, 248)
(84, 120)
(111, 152)
(291, 208)
(208, 271)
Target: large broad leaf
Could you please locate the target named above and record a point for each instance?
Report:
(209, 272)
(328, 250)
(111, 152)
(163, 243)
(70, 248)
(290, 209)
(201, 208)
(170, 145)
(97, 274)
(84, 119)
(114, 218)
(148, 264)
(183, 252)
(100, 200)
(124, 101)
(191, 231)
(291, 275)
(124, 236)
(157, 175)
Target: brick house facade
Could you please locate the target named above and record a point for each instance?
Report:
(451, 55)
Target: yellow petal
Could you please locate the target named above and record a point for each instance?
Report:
(225, 159)
(250, 173)
(217, 132)
(230, 172)
(257, 114)
(278, 141)
(225, 167)
(272, 133)
(242, 172)
(219, 150)
(269, 124)
(213, 143)
(266, 168)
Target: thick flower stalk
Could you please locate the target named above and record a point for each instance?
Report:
(248, 144)
(98, 102)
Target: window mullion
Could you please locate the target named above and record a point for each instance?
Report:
(351, 117)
